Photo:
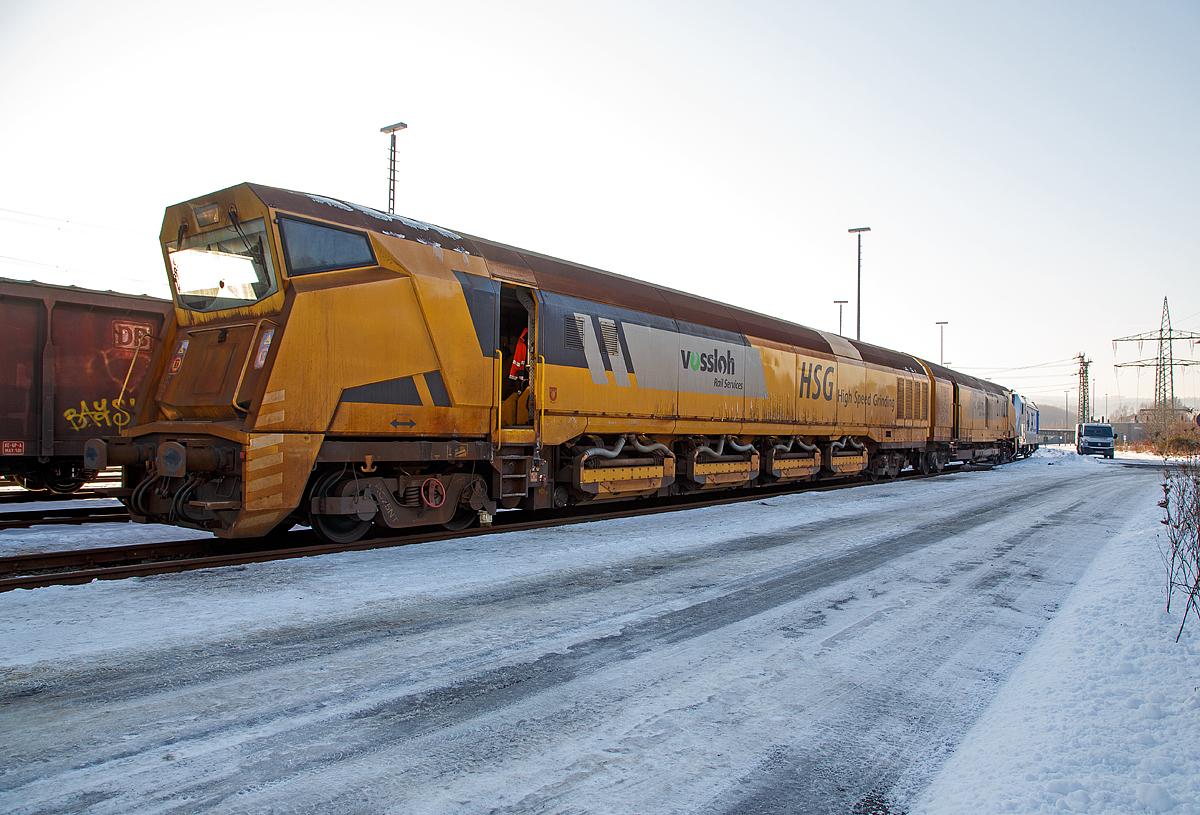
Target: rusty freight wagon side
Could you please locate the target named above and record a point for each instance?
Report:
(67, 353)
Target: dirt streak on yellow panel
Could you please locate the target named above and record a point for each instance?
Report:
(466, 368)
(818, 384)
(779, 371)
(571, 391)
(867, 396)
(559, 429)
(362, 417)
(343, 337)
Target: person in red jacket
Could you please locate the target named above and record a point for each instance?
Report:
(517, 372)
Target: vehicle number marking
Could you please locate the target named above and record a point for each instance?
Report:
(263, 346)
(177, 362)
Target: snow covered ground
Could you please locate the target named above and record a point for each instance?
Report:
(984, 642)
(1103, 714)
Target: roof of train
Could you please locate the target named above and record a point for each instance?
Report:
(963, 379)
(577, 280)
(77, 294)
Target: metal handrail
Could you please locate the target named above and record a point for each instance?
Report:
(497, 383)
(145, 339)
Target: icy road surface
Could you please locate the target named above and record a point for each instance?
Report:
(808, 654)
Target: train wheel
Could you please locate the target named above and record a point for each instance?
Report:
(464, 518)
(32, 482)
(470, 502)
(335, 528)
(66, 480)
(927, 463)
(64, 486)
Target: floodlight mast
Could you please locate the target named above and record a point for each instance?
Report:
(391, 129)
(859, 231)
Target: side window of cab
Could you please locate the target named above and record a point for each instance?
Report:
(312, 247)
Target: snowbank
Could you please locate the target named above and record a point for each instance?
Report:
(1103, 715)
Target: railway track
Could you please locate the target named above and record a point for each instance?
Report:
(22, 496)
(142, 560)
(56, 516)
(10, 493)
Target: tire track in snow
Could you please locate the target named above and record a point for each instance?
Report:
(411, 718)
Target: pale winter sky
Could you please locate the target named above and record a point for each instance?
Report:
(1029, 170)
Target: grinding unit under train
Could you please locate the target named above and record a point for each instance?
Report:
(343, 368)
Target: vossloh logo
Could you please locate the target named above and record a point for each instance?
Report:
(705, 363)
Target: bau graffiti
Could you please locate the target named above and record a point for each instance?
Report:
(100, 414)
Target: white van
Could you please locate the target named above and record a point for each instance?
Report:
(1094, 438)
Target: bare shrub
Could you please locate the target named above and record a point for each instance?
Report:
(1180, 438)
(1181, 506)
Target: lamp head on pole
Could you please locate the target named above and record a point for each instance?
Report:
(392, 130)
(860, 229)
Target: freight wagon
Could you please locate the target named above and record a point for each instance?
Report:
(68, 353)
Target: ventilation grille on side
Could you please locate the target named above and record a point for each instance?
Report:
(608, 329)
(573, 327)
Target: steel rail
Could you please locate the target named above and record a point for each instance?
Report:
(63, 515)
(19, 495)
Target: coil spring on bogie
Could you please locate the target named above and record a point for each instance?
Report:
(412, 496)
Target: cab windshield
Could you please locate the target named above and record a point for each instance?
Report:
(225, 268)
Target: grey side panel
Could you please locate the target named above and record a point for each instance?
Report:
(437, 389)
(402, 391)
(654, 352)
(482, 295)
(591, 350)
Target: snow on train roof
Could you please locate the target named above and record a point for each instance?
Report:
(78, 294)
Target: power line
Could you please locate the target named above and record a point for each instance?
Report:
(997, 371)
(72, 224)
(142, 281)
(1023, 377)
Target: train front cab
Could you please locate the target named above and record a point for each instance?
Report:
(302, 356)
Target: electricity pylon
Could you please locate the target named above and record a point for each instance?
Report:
(1085, 393)
(1164, 365)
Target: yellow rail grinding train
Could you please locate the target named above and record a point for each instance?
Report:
(343, 368)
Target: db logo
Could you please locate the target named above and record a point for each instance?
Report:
(129, 336)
